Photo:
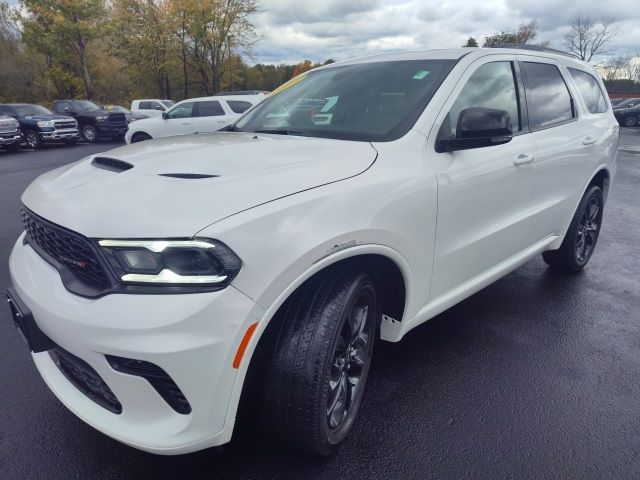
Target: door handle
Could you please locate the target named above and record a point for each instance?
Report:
(589, 141)
(523, 159)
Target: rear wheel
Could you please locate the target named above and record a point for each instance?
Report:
(33, 140)
(580, 240)
(89, 133)
(316, 379)
(140, 137)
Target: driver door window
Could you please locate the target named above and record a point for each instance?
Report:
(179, 120)
(491, 86)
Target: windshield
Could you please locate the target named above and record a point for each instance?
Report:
(26, 110)
(85, 105)
(377, 101)
(626, 103)
(168, 103)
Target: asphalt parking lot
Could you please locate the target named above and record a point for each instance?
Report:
(536, 376)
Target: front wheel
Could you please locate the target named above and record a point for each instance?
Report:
(71, 141)
(33, 140)
(89, 133)
(580, 240)
(316, 379)
(14, 147)
(140, 137)
(630, 121)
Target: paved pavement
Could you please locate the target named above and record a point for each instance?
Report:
(536, 376)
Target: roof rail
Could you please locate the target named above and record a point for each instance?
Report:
(537, 48)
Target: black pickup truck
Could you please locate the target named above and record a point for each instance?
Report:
(40, 126)
(94, 122)
(10, 136)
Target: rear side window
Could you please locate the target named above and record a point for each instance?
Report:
(238, 106)
(145, 106)
(210, 109)
(589, 90)
(548, 98)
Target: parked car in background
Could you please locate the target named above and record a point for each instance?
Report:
(39, 125)
(130, 116)
(193, 116)
(10, 136)
(628, 113)
(616, 101)
(627, 103)
(151, 107)
(94, 122)
(176, 277)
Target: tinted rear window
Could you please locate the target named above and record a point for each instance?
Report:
(589, 90)
(238, 106)
(548, 98)
(210, 109)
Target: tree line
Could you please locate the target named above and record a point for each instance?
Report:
(115, 50)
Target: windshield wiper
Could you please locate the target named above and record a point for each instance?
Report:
(230, 128)
(280, 131)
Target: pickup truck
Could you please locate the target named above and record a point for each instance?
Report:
(95, 123)
(9, 133)
(151, 107)
(41, 126)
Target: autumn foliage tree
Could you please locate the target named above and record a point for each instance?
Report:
(61, 31)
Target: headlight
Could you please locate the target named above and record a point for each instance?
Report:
(102, 118)
(46, 124)
(196, 262)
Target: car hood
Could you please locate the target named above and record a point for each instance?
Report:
(47, 116)
(247, 170)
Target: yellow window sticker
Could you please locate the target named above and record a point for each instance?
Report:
(289, 84)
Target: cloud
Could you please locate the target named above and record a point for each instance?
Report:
(294, 30)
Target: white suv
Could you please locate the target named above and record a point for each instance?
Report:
(193, 116)
(158, 282)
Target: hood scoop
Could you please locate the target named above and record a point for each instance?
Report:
(188, 176)
(111, 164)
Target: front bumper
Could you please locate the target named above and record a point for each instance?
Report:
(192, 337)
(10, 139)
(57, 135)
(111, 130)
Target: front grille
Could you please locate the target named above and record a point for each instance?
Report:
(117, 118)
(7, 126)
(85, 379)
(66, 248)
(64, 124)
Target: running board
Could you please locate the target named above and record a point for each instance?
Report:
(392, 330)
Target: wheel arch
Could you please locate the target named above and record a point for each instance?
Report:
(387, 268)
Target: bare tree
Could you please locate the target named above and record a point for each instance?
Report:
(587, 38)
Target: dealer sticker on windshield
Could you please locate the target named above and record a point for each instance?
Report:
(420, 75)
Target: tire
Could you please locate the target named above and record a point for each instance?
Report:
(14, 147)
(140, 137)
(89, 133)
(582, 235)
(33, 140)
(306, 403)
(630, 121)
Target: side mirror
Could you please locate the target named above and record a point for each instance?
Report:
(164, 115)
(158, 107)
(478, 127)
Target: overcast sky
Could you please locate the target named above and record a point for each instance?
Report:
(294, 30)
